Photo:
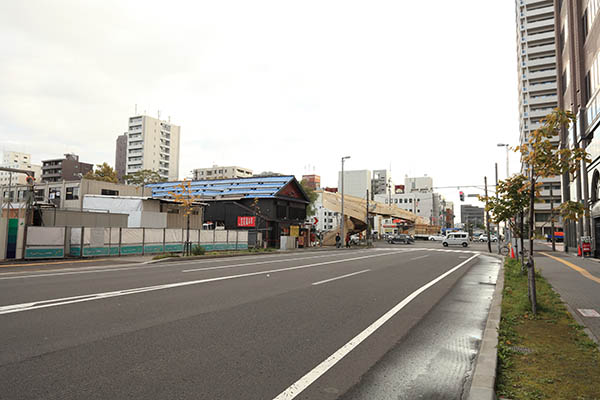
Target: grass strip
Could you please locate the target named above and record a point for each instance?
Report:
(547, 356)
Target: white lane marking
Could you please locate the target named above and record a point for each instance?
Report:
(119, 267)
(299, 386)
(341, 277)
(97, 296)
(254, 263)
(417, 258)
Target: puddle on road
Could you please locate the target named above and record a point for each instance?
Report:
(435, 359)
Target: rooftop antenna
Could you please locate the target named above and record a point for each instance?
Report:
(158, 114)
(169, 119)
(135, 110)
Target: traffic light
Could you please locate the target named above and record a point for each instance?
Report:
(29, 179)
(462, 195)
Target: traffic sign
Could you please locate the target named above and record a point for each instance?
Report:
(316, 220)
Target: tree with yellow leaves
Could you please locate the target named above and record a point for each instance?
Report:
(187, 202)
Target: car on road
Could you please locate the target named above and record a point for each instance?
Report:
(401, 238)
(456, 239)
(484, 238)
(437, 238)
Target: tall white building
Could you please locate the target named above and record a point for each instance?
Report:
(356, 183)
(424, 204)
(153, 144)
(536, 55)
(418, 184)
(17, 160)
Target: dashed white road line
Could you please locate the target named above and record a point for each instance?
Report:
(13, 308)
(418, 258)
(299, 386)
(340, 277)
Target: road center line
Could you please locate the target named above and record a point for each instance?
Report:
(252, 263)
(341, 277)
(9, 309)
(299, 386)
(417, 258)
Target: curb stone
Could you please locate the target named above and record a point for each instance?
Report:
(484, 377)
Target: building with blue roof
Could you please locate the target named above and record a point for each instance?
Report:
(271, 205)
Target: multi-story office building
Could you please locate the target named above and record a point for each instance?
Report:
(153, 144)
(17, 160)
(578, 48)
(312, 181)
(68, 168)
(472, 215)
(428, 205)
(218, 172)
(356, 183)
(537, 70)
(121, 156)
(381, 182)
(418, 184)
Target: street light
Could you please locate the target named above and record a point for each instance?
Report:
(507, 149)
(342, 187)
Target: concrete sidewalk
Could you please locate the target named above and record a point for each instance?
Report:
(577, 281)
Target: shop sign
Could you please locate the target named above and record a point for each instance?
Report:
(246, 221)
(294, 230)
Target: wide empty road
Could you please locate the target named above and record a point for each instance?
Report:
(312, 325)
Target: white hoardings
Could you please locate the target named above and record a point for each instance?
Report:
(58, 242)
(45, 242)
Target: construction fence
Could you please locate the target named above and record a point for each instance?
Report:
(60, 242)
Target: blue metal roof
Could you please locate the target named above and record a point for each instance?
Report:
(263, 187)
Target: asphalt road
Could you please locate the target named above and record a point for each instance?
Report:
(310, 325)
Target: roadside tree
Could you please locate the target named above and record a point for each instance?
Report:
(104, 173)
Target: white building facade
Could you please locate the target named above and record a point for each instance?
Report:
(218, 172)
(356, 183)
(153, 144)
(17, 160)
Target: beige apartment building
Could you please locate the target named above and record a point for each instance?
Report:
(218, 172)
(17, 160)
(152, 144)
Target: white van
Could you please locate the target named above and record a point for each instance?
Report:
(456, 238)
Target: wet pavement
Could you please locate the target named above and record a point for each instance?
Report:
(436, 359)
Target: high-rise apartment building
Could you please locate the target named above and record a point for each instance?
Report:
(153, 144)
(218, 172)
(17, 160)
(538, 85)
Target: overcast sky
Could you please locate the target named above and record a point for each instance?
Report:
(426, 87)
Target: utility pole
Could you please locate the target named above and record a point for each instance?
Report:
(343, 237)
(487, 218)
(368, 235)
(552, 218)
(498, 222)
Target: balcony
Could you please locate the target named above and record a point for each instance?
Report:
(538, 87)
(540, 36)
(549, 99)
(539, 12)
(547, 48)
(550, 61)
(540, 24)
(539, 113)
(549, 73)
(135, 145)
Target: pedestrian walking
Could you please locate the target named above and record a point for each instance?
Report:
(348, 239)
(338, 240)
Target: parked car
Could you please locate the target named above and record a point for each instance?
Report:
(484, 238)
(437, 238)
(456, 238)
(401, 238)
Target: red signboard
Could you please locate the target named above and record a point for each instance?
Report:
(246, 221)
(587, 247)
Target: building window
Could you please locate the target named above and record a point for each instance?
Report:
(39, 194)
(108, 192)
(72, 193)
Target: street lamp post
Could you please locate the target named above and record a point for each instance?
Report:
(342, 189)
(507, 150)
